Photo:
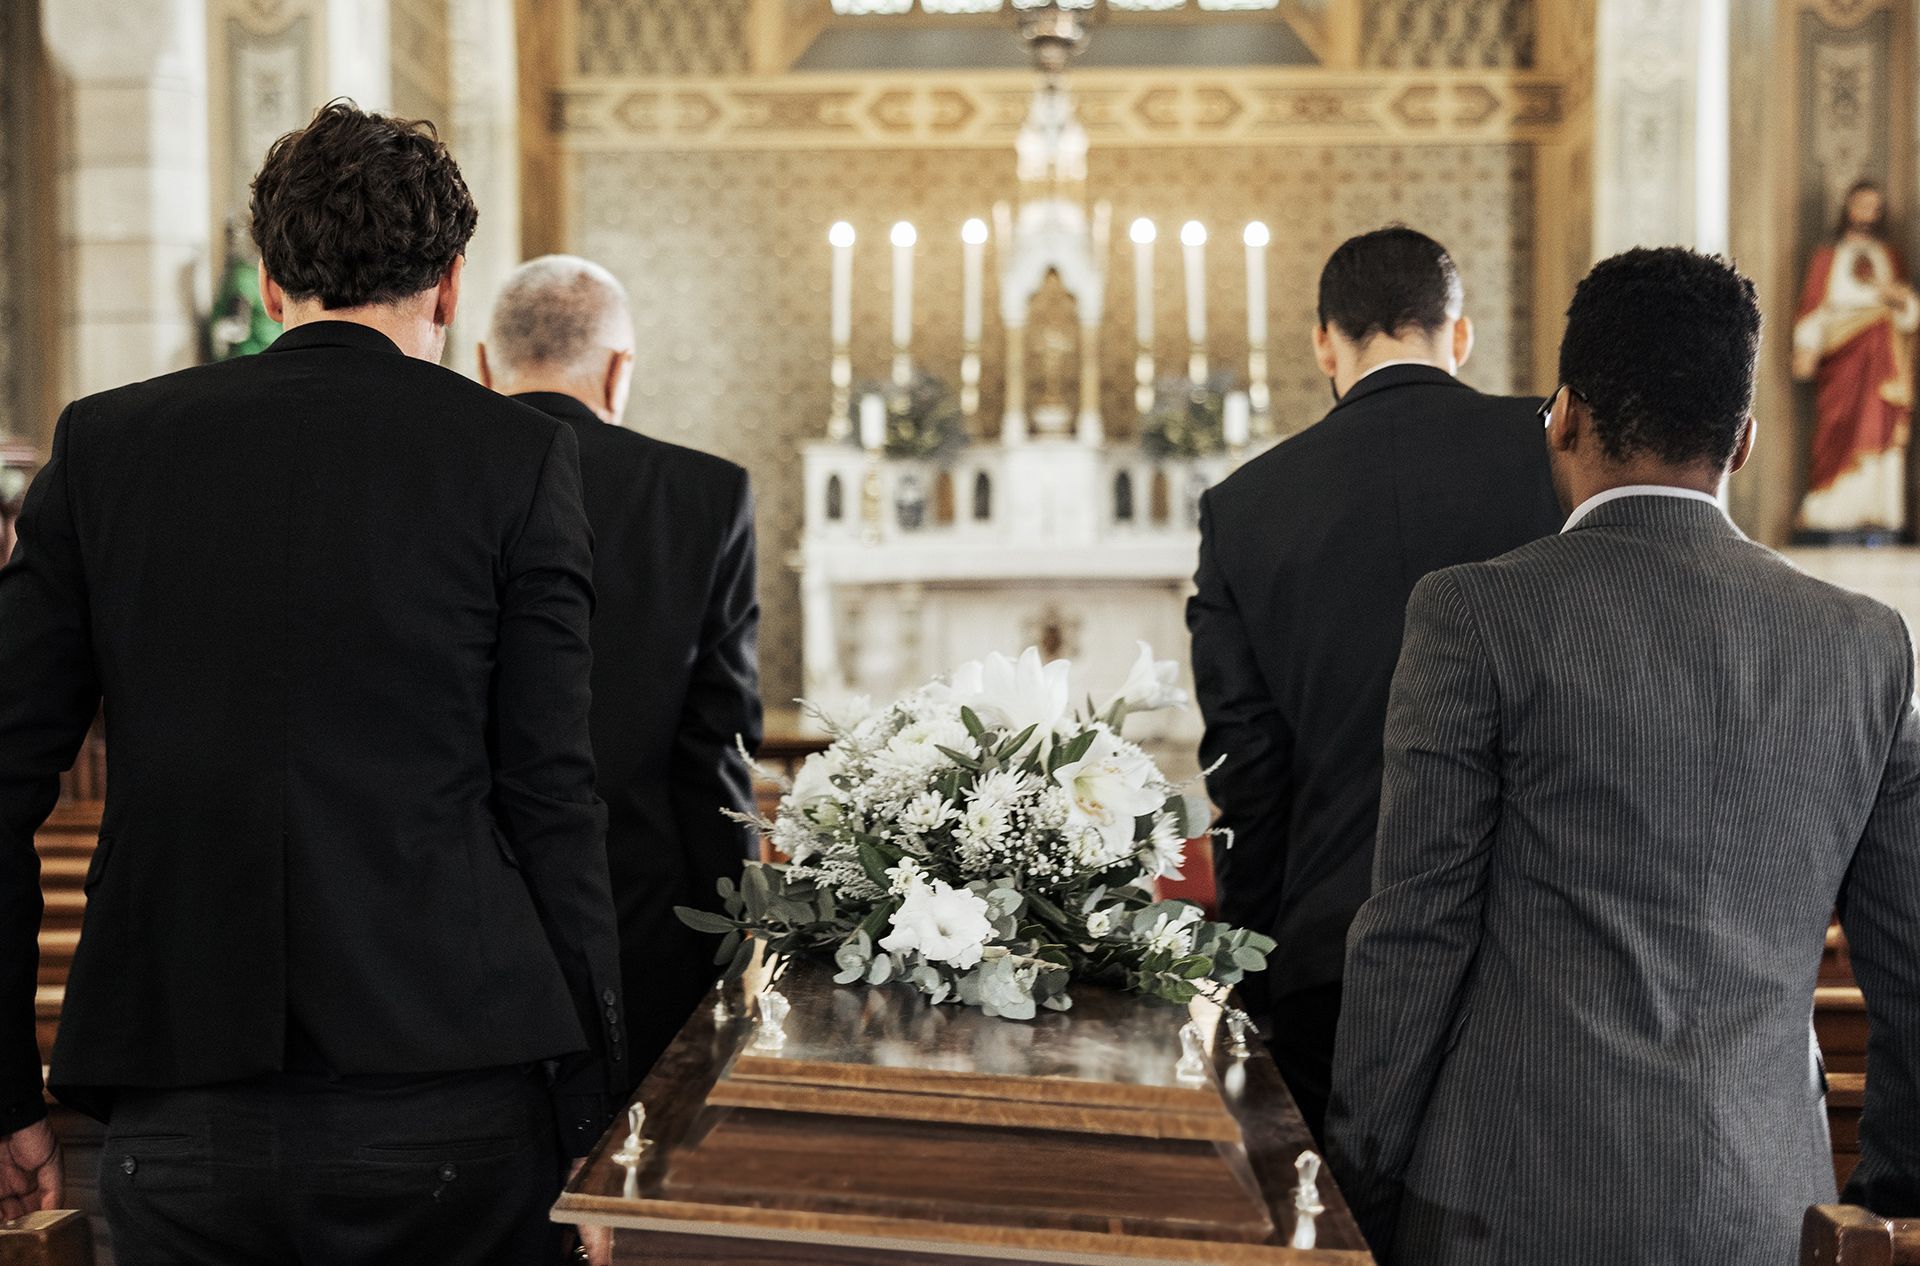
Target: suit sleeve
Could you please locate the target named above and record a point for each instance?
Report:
(1245, 736)
(49, 695)
(722, 711)
(1412, 946)
(543, 778)
(1880, 909)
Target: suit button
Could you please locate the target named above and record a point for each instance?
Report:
(128, 1166)
(609, 997)
(448, 1172)
(613, 1015)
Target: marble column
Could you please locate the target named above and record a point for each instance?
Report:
(1661, 125)
(485, 130)
(134, 207)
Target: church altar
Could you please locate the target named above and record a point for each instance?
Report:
(925, 545)
(870, 1127)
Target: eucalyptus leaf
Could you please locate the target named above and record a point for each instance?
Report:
(704, 920)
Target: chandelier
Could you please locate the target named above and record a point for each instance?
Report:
(883, 8)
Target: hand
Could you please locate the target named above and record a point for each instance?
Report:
(597, 1241)
(29, 1172)
(1896, 294)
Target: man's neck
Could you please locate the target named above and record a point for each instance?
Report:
(414, 334)
(1382, 352)
(1701, 479)
(540, 386)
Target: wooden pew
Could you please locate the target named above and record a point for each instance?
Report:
(1842, 1235)
(61, 1238)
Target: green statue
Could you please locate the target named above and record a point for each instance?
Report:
(239, 324)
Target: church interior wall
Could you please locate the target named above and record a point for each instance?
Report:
(721, 237)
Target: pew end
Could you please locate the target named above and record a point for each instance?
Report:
(1846, 1235)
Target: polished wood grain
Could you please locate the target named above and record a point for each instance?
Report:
(1110, 1050)
(752, 1186)
(973, 1109)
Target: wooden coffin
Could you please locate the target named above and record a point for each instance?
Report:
(886, 1130)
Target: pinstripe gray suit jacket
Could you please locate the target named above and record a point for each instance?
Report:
(1630, 772)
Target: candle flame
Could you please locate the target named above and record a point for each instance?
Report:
(1257, 234)
(974, 231)
(904, 235)
(1193, 233)
(841, 234)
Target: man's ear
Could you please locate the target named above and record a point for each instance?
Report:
(1323, 353)
(614, 389)
(481, 367)
(1462, 341)
(1568, 423)
(1744, 450)
(272, 297)
(446, 297)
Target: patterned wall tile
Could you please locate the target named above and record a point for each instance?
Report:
(662, 37)
(1449, 33)
(726, 257)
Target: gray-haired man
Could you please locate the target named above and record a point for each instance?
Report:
(675, 627)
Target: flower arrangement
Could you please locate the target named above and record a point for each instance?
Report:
(988, 843)
(923, 419)
(1187, 419)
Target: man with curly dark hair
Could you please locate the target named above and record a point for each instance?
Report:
(348, 987)
(1631, 771)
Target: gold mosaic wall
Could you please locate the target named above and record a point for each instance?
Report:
(725, 254)
(1458, 34)
(661, 37)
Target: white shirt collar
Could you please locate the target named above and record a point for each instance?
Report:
(1389, 364)
(1638, 490)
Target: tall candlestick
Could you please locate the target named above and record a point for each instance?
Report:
(973, 239)
(1143, 234)
(903, 239)
(873, 422)
(1193, 236)
(1257, 238)
(840, 236)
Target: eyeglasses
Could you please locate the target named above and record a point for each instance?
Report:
(1545, 411)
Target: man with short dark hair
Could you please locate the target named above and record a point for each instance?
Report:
(1631, 770)
(676, 682)
(1307, 556)
(348, 987)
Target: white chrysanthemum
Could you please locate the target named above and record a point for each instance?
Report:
(1004, 788)
(942, 924)
(1174, 932)
(927, 813)
(1100, 922)
(1169, 848)
(1094, 849)
(905, 876)
(814, 781)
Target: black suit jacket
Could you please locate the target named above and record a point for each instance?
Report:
(1307, 557)
(676, 689)
(336, 601)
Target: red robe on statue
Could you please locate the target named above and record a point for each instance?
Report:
(1864, 386)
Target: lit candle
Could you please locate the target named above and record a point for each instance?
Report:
(1143, 234)
(840, 237)
(973, 239)
(1257, 239)
(873, 422)
(903, 239)
(1236, 419)
(1193, 236)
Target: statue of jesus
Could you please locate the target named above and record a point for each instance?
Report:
(1853, 337)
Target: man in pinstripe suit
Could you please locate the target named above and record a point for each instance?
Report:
(1631, 770)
